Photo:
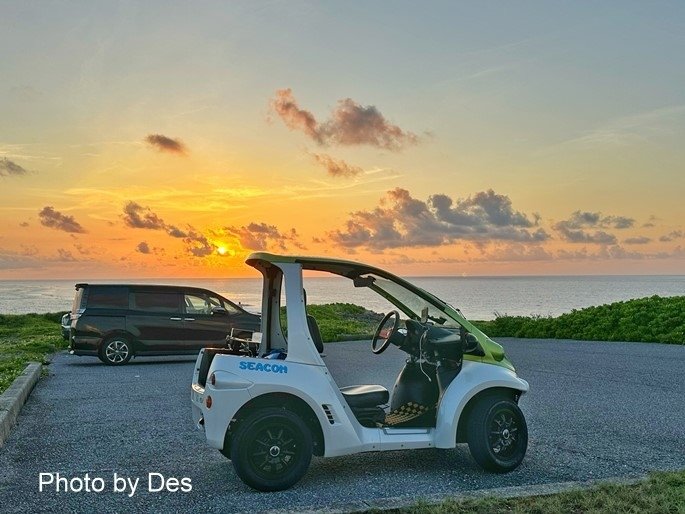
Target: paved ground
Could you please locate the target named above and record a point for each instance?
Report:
(595, 410)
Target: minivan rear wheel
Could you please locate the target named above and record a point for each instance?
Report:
(116, 351)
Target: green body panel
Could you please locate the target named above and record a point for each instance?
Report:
(494, 353)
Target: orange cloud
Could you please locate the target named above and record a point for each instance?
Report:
(401, 221)
(166, 144)
(49, 217)
(260, 236)
(350, 123)
(336, 167)
(9, 168)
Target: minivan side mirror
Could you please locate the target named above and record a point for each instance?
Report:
(219, 311)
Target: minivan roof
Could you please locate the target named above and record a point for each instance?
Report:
(146, 286)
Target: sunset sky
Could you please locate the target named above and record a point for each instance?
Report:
(171, 139)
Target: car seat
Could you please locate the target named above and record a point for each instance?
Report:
(364, 400)
(313, 326)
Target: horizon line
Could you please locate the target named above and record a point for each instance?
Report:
(131, 280)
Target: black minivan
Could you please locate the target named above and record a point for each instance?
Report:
(116, 322)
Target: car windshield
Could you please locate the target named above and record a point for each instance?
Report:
(406, 300)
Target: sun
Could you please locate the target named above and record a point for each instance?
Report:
(221, 250)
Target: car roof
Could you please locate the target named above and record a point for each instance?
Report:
(343, 267)
(148, 287)
(339, 266)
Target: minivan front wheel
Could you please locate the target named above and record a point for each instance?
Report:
(116, 351)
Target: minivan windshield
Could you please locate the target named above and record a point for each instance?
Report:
(407, 301)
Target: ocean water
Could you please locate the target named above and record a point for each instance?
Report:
(477, 297)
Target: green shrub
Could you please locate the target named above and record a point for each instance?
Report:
(654, 319)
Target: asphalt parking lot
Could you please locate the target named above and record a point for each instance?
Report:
(595, 410)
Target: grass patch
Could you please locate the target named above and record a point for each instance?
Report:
(342, 321)
(662, 492)
(25, 338)
(653, 320)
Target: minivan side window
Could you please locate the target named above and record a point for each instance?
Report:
(197, 304)
(107, 298)
(215, 301)
(232, 309)
(155, 302)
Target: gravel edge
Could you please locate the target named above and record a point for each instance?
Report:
(14, 397)
(386, 504)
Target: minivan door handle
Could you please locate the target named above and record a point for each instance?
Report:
(188, 319)
(175, 319)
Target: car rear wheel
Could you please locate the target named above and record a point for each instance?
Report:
(116, 351)
(271, 449)
(497, 434)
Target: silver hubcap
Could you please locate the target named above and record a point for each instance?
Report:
(274, 451)
(116, 351)
(503, 433)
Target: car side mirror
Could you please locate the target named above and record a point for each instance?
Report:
(219, 311)
(470, 342)
(424, 315)
(363, 281)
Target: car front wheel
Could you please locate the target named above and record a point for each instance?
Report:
(271, 449)
(497, 434)
(116, 351)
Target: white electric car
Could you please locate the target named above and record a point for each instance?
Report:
(268, 404)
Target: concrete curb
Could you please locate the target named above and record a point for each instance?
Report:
(386, 504)
(14, 398)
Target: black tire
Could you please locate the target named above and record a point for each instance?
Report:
(116, 351)
(497, 433)
(271, 449)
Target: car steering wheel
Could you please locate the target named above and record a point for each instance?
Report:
(387, 327)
